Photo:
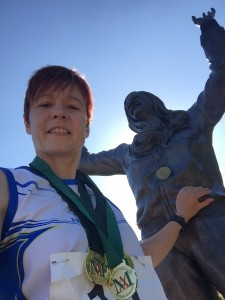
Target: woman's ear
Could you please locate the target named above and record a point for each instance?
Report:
(27, 125)
(87, 130)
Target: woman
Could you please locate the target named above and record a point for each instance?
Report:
(54, 220)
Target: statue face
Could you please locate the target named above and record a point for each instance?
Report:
(139, 106)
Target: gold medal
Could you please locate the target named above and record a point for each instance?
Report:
(123, 281)
(96, 268)
(128, 260)
(163, 173)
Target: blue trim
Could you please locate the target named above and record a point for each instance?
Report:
(30, 170)
(70, 181)
(13, 201)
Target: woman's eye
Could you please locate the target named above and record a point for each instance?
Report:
(44, 104)
(73, 107)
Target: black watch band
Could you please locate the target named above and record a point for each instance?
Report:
(179, 220)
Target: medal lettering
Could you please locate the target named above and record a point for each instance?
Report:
(123, 283)
(97, 268)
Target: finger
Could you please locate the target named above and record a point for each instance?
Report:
(192, 190)
(206, 202)
(200, 189)
(213, 11)
(202, 192)
(203, 198)
(196, 189)
(198, 193)
(191, 187)
(194, 19)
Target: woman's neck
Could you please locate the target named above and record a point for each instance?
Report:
(65, 167)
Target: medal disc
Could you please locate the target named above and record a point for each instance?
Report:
(123, 281)
(128, 260)
(163, 173)
(96, 268)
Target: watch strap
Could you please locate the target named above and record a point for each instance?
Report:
(180, 220)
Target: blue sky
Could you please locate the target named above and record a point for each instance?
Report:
(120, 46)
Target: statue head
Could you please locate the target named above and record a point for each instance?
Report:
(145, 110)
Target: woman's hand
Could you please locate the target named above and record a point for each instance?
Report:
(188, 205)
(187, 202)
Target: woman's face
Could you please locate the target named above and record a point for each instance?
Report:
(58, 122)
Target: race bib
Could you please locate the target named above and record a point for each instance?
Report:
(69, 280)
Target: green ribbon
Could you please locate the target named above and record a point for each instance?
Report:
(112, 242)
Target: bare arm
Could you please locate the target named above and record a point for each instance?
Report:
(4, 197)
(187, 204)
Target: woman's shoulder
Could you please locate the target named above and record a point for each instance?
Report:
(22, 173)
(4, 198)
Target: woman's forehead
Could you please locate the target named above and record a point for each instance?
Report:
(55, 89)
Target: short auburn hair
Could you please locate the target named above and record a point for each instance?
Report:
(56, 77)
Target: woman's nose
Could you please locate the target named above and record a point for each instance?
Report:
(59, 113)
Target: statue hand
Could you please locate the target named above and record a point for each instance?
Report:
(187, 202)
(205, 17)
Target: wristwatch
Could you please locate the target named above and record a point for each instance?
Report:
(179, 220)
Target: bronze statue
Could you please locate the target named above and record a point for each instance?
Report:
(172, 149)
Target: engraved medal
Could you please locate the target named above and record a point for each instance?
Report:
(96, 268)
(123, 281)
(128, 260)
